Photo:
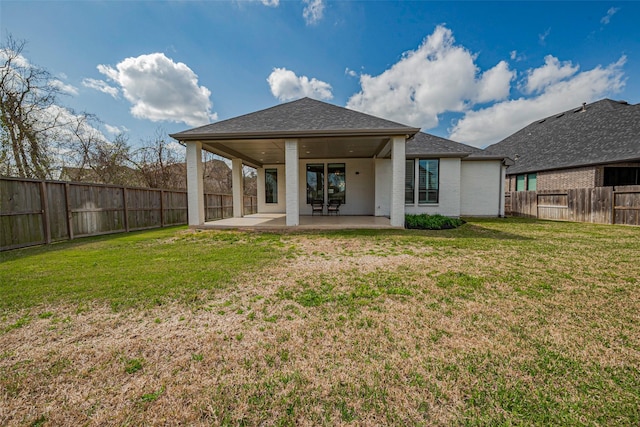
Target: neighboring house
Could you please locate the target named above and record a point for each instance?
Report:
(308, 150)
(595, 145)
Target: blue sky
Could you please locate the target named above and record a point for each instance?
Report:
(471, 71)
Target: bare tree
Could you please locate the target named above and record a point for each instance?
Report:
(77, 151)
(160, 163)
(250, 176)
(26, 113)
(216, 174)
(111, 162)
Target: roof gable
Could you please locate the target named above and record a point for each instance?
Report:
(605, 131)
(305, 115)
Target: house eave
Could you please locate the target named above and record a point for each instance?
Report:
(563, 167)
(506, 160)
(426, 155)
(227, 136)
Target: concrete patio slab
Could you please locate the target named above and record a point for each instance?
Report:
(315, 222)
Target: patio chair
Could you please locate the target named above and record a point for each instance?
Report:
(334, 207)
(317, 206)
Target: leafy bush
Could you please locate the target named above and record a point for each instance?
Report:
(431, 222)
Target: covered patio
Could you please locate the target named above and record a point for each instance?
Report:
(305, 151)
(273, 222)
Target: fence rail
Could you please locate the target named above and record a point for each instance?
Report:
(600, 205)
(34, 212)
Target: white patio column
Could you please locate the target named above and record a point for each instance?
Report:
(397, 180)
(195, 183)
(260, 185)
(237, 186)
(292, 184)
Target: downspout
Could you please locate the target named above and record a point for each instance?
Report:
(501, 190)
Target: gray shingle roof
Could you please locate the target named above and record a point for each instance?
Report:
(605, 132)
(302, 116)
(424, 144)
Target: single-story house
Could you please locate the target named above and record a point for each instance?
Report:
(593, 145)
(307, 150)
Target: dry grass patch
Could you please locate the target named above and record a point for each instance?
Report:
(498, 322)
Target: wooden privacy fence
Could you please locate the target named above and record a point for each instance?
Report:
(600, 205)
(34, 212)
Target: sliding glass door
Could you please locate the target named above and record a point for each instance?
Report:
(315, 182)
(336, 184)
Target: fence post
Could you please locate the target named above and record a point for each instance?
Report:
(126, 208)
(206, 207)
(44, 204)
(69, 213)
(613, 205)
(161, 208)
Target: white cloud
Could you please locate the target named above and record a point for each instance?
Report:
(101, 86)
(115, 130)
(437, 77)
(63, 128)
(176, 148)
(64, 87)
(313, 11)
(551, 72)
(58, 123)
(16, 66)
(161, 90)
(515, 56)
(285, 86)
(349, 72)
(17, 61)
(270, 3)
(542, 38)
(607, 18)
(495, 83)
(492, 124)
(440, 76)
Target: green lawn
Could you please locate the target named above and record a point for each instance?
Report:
(136, 269)
(498, 322)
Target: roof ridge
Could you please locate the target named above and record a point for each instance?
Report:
(585, 106)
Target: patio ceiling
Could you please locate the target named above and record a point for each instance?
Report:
(258, 152)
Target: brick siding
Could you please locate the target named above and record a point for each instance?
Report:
(570, 178)
(586, 177)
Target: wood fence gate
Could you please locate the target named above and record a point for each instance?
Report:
(600, 205)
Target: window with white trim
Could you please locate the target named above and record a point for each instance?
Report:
(428, 180)
(409, 180)
(427, 173)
